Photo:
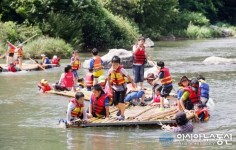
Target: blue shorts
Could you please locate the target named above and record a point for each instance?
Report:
(133, 95)
(75, 73)
(138, 73)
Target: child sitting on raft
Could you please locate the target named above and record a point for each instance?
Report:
(67, 80)
(157, 96)
(89, 79)
(133, 95)
(76, 109)
(80, 83)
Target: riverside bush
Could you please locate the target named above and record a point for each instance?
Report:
(48, 46)
(15, 33)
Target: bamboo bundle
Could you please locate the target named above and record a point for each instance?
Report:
(153, 114)
(163, 115)
(135, 114)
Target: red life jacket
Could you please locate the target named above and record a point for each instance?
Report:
(68, 80)
(11, 68)
(79, 108)
(139, 56)
(98, 104)
(167, 78)
(193, 97)
(156, 99)
(44, 87)
(205, 111)
(55, 61)
(116, 77)
(89, 79)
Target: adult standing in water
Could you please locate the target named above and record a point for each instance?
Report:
(140, 58)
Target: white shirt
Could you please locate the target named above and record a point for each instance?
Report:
(71, 106)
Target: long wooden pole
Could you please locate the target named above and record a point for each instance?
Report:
(29, 39)
(38, 64)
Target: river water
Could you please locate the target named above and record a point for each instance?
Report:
(28, 119)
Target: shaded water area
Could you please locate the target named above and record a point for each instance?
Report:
(28, 119)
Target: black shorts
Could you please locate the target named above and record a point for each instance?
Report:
(118, 97)
(11, 54)
(166, 91)
(103, 113)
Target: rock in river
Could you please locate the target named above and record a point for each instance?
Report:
(125, 55)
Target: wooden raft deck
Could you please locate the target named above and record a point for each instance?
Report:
(27, 67)
(136, 115)
(87, 93)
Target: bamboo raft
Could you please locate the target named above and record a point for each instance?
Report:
(87, 94)
(135, 115)
(26, 67)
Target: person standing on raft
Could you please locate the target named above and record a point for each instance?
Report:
(166, 82)
(20, 55)
(116, 81)
(139, 60)
(96, 64)
(75, 63)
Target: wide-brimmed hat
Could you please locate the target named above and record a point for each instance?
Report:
(184, 78)
(150, 76)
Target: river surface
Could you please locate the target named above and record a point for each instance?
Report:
(28, 118)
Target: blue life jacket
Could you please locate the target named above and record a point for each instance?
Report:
(204, 90)
(47, 61)
(180, 93)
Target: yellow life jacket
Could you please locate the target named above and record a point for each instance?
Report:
(116, 77)
(79, 108)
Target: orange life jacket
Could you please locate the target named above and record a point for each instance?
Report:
(89, 79)
(98, 104)
(116, 77)
(139, 56)
(193, 97)
(167, 78)
(75, 64)
(79, 108)
(20, 52)
(11, 48)
(97, 63)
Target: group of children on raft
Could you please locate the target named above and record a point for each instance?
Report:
(118, 87)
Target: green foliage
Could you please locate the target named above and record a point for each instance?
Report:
(151, 16)
(15, 33)
(65, 27)
(208, 8)
(200, 32)
(10, 31)
(84, 24)
(183, 19)
(48, 46)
